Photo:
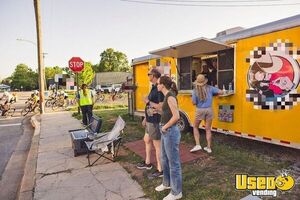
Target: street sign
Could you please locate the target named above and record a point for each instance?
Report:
(76, 64)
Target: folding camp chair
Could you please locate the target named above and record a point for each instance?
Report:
(79, 136)
(106, 143)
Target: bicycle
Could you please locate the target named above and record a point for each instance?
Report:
(9, 111)
(50, 101)
(72, 102)
(117, 95)
(60, 102)
(100, 96)
(28, 108)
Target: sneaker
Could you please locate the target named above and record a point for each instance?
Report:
(156, 174)
(143, 165)
(208, 150)
(173, 197)
(196, 148)
(161, 187)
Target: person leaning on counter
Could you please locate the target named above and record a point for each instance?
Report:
(202, 97)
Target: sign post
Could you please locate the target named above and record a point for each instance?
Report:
(76, 64)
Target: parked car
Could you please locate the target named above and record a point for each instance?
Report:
(98, 87)
(105, 88)
(117, 87)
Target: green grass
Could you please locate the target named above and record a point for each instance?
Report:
(211, 177)
(104, 106)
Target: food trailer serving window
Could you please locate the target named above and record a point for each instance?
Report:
(226, 69)
(202, 56)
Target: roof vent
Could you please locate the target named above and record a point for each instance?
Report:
(230, 31)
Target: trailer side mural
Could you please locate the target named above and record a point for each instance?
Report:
(273, 76)
(272, 115)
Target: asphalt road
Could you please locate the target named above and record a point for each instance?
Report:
(15, 140)
(10, 132)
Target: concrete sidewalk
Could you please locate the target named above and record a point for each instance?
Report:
(60, 175)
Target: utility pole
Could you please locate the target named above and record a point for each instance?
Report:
(37, 8)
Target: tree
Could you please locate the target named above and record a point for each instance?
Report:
(24, 77)
(113, 61)
(6, 81)
(51, 71)
(96, 68)
(68, 71)
(87, 75)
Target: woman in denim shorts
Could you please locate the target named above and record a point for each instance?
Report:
(202, 97)
(170, 139)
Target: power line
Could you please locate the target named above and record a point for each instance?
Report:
(216, 1)
(211, 5)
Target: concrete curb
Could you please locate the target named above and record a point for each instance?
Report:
(28, 181)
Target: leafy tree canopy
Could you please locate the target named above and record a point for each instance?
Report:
(112, 61)
(87, 75)
(68, 71)
(6, 81)
(51, 71)
(24, 77)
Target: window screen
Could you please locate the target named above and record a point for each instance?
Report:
(225, 78)
(226, 69)
(185, 65)
(226, 59)
(158, 62)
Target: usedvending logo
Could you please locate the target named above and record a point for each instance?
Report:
(264, 185)
(273, 76)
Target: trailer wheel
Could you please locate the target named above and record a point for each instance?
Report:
(183, 123)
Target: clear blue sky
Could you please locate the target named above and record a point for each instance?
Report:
(87, 27)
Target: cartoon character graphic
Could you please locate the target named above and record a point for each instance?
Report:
(284, 182)
(272, 76)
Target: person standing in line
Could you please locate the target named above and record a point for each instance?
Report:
(86, 102)
(202, 97)
(170, 140)
(151, 124)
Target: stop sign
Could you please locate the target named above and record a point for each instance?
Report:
(76, 64)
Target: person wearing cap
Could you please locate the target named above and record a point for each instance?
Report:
(151, 123)
(86, 101)
(35, 99)
(202, 97)
(204, 68)
(9, 99)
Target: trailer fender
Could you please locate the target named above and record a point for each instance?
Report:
(183, 123)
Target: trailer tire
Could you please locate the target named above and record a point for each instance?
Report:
(183, 123)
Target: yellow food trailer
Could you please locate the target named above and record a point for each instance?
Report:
(258, 68)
